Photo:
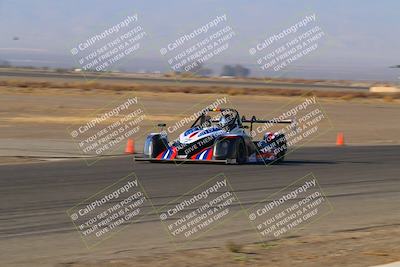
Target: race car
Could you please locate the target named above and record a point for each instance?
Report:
(224, 138)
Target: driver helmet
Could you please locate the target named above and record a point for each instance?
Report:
(207, 122)
(225, 120)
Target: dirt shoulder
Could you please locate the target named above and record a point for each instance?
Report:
(363, 247)
(280, 89)
(17, 160)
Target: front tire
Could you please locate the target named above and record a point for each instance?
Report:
(231, 149)
(154, 145)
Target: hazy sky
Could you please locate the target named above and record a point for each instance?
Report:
(361, 35)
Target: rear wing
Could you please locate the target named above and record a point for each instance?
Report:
(255, 120)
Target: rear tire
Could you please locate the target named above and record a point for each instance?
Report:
(283, 148)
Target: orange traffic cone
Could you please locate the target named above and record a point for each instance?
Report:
(130, 147)
(340, 139)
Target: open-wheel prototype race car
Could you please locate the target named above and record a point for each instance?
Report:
(224, 138)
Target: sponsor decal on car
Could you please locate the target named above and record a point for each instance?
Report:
(205, 154)
(169, 153)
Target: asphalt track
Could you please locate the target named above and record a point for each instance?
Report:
(362, 184)
(175, 82)
(51, 188)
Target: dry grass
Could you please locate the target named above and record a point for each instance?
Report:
(93, 85)
(234, 247)
(388, 98)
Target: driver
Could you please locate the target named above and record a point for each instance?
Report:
(225, 121)
(207, 122)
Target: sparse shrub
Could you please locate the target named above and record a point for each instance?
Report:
(388, 98)
(347, 97)
(233, 247)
